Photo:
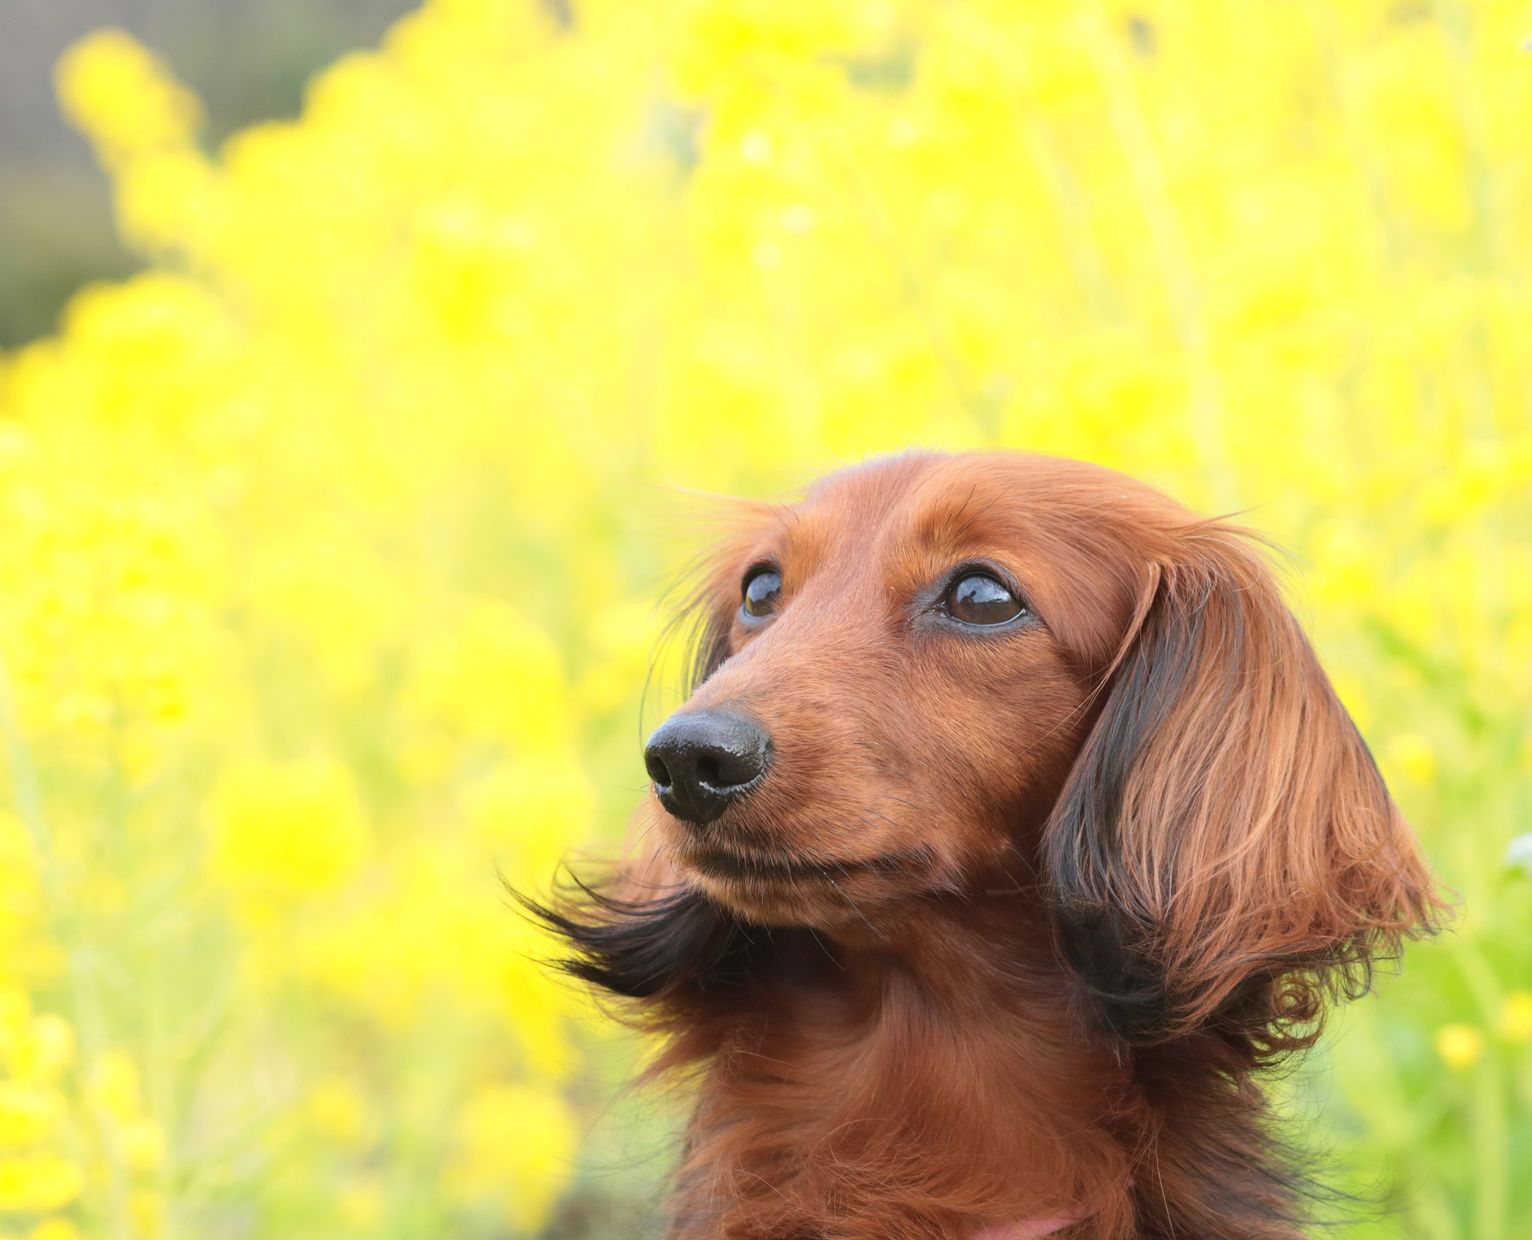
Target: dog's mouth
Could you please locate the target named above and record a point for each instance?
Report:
(742, 865)
(778, 888)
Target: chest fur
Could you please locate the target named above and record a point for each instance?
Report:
(839, 1120)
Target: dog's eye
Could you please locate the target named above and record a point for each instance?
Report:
(763, 590)
(979, 599)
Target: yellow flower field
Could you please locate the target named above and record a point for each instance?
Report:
(330, 545)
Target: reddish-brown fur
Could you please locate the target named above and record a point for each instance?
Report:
(1055, 894)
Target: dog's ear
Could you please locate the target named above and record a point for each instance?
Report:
(648, 937)
(1224, 854)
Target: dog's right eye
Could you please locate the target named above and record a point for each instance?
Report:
(763, 591)
(979, 599)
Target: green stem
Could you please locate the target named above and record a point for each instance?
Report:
(1489, 1136)
(69, 929)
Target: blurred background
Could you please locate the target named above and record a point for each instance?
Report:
(246, 62)
(363, 368)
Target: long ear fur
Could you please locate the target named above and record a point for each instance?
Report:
(671, 945)
(1225, 854)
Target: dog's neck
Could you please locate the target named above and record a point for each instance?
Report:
(970, 1094)
(960, 1085)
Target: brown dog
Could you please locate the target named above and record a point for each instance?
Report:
(1010, 829)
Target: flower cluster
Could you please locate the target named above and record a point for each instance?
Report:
(331, 541)
(55, 1126)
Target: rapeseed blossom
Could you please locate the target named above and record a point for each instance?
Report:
(332, 539)
(285, 831)
(1459, 1045)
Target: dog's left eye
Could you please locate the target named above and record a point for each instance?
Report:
(979, 598)
(763, 591)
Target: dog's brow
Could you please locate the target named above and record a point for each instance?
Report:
(950, 521)
(795, 536)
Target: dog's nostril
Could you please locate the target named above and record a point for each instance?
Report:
(701, 761)
(710, 771)
(655, 765)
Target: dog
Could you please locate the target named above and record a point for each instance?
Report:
(1010, 830)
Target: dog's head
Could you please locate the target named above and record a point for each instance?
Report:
(947, 679)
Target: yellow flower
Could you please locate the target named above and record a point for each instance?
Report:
(113, 1085)
(38, 1183)
(50, 1048)
(168, 199)
(286, 830)
(113, 88)
(142, 1142)
(1412, 755)
(337, 1111)
(361, 1204)
(1516, 1016)
(496, 676)
(15, 1009)
(27, 1114)
(526, 814)
(146, 1208)
(39, 1049)
(538, 1126)
(1459, 1045)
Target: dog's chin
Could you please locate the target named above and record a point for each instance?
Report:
(760, 903)
(815, 892)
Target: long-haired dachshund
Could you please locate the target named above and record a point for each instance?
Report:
(1011, 827)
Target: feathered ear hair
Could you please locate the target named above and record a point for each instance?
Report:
(1224, 854)
(643, 934)
(672, 945)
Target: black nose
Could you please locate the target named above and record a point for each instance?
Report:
(703, 760)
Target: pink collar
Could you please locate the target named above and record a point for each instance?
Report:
(1031, 1228)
